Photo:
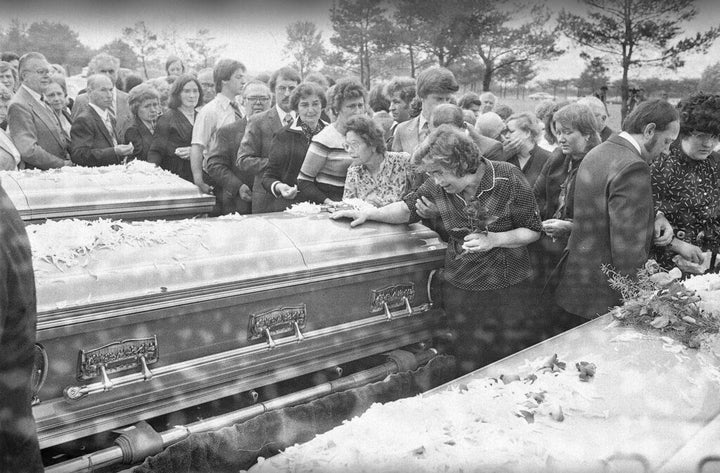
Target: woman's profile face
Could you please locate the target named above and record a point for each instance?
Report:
(448, 180)
(7, 79)
(513, 132)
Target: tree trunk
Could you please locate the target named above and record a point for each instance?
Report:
(487, 79)
(412, 61)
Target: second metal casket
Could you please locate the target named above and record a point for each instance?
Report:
(145, 318)
(138, 190)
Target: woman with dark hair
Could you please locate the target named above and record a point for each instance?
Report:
(376, 176)
(144, 103)
(686, 186)
(170, 147)
(519, 138)
(290, 145)
(493, 216)
(576, 132)
(322, 175)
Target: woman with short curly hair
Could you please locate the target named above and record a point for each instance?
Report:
(520, 137)
(491, 215)
(686, 185)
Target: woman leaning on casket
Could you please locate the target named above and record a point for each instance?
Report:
(485, 288)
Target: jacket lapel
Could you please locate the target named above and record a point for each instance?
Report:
(46, 116)
(101, 125)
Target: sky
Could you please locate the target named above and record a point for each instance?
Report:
(254, 30)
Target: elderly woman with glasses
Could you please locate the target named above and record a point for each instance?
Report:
(491, 215)
(376, 176)
(322, 175)
(686, 186)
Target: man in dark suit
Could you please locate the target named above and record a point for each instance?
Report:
(33, 127)
(435, 86)
(93, 139)
(614, 218)
(236, 186)
(254, 149)
(19, 449)
(109, 65)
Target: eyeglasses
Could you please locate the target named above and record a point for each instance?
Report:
(704, 137)
(436, 174)
(107, 71)
(351, 145)
(43, 72)
(256, 98)
(282, 89)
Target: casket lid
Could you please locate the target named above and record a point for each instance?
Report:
(138, 187)
(79, 263)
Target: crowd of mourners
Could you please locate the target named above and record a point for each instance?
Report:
(532, 205)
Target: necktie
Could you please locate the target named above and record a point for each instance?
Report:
(236, 108)
(110, 128)
(424, 131)
(288, 119)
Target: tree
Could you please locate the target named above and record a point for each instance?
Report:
(593, 76)
(523, 72)
(500, 46)
(121, 50)
(15, 39)
(358, 26)
(304, 45)
(710, 79)
(203, 50)
(637, 32)
(143, 42)
(58, 43)
(407, 32)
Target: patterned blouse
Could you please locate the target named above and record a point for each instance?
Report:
(504, 193)
(687, 191)
(387, 186)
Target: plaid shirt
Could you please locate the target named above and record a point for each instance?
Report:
(506, 194)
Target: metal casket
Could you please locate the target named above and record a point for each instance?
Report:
(138, 190)
(144, 318)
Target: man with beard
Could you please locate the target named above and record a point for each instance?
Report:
(614, 219)
(252, 156)
(236, 195)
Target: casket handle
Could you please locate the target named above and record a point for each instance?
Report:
(147, 374)
(627, 456)
(707, 459)
(408, 307)
(388, 314)
(107, 383)
(271, 343)
(298, 333)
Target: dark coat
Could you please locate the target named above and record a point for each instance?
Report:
(141, 138)
(613, 225)
(90, 141)
(172, 131)
(222, 169)
(534, 165)
(254, 151)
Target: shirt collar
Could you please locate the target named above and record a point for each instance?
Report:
(633, 141)
(282, 113)
(32, 93)
(421, 121)
(103, 113)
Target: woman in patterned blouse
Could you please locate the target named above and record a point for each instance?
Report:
(376, 176)
(686, 185)
(492, 216)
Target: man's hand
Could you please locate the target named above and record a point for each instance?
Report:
(245, 193)
(288, 192)
(124, 150)
(663, 231)
(183, 152)
(426, 208)
(204, 188)
(557, 228)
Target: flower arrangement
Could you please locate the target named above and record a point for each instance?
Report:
(658, 300)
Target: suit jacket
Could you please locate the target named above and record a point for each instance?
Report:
(124, 118)
(491, 149)
(254, 151)
(141, 138)
(538, 158)
(222, 169)
(606, 133)
(172, 131)
(613, 225)
(90, 141)
(36, 132)
(407, 136)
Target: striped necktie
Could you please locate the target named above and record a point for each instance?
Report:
(236, 108)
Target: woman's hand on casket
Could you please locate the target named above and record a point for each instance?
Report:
(662, 230)
(687, 250)
(358, 217)
(479, 242)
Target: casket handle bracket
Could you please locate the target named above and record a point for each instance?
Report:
(268, 336)
(298, 333)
